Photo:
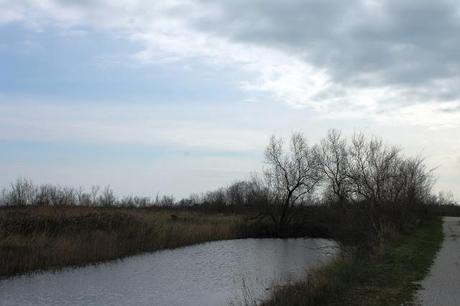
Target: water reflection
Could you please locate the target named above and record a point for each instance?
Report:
(214, 273)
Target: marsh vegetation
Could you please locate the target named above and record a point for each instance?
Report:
(36, 238)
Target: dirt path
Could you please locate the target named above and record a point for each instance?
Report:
(442, 285)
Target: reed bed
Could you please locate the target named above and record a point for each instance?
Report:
(43, 238)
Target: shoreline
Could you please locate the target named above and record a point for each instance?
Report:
(389, 276)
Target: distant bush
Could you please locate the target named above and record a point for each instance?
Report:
(24, 193)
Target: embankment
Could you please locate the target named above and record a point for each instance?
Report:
(387, 276)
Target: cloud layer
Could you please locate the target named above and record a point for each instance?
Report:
(355, 58)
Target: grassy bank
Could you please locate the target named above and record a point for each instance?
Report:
(40, 238)
(389, 276)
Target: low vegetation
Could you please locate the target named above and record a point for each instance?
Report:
(53, 237)
(387, 276)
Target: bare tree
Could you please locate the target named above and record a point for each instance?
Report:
(413, 183)
(445, 198)
(394, 186)
(333, 157)
(290, 175)
(372, 165)
(107, 198)
(21, 193)
(245, 193)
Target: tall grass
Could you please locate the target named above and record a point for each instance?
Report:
(37, 238)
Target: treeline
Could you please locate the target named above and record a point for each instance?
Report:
(24, 192)
(336, 172)
(239, 195)
(363, 181)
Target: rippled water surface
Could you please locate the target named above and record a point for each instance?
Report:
(214, 273)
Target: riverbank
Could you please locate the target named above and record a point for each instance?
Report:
(388, 276)
(34, 238)
(44, 238)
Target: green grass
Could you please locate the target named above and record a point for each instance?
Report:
(43, 238)
(389, 276)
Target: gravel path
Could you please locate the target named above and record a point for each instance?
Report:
(442, 285)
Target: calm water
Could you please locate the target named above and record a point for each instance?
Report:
(214, 273)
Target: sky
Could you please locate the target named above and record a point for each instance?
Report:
(181, 96)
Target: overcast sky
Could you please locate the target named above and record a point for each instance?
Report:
(175, 97)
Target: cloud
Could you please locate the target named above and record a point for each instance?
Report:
(388, 52)
(451, 109)
(164, 127)
(364, 42)
(359, 58)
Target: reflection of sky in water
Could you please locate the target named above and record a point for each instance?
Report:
(214, 273)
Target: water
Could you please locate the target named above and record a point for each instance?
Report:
(214, 273)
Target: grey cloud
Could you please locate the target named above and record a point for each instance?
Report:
(454, 109)
(409, 45)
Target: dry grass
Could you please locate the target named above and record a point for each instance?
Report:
(39, 238)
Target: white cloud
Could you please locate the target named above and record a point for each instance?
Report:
(168, 32)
